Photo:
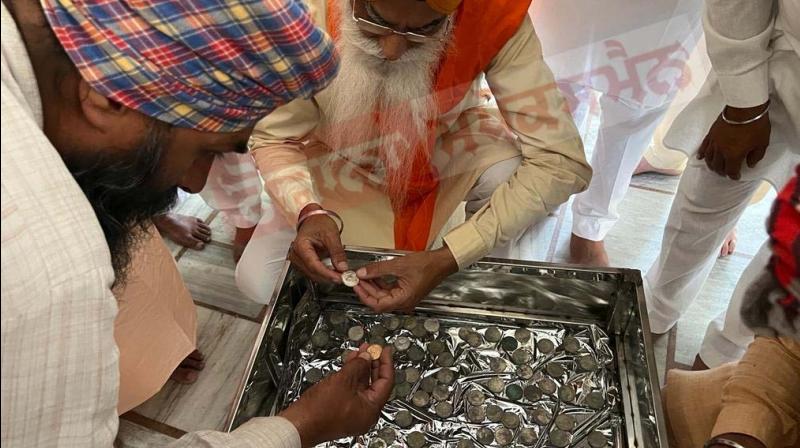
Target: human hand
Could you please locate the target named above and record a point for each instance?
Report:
(727, 146)
(316, 238)
(346, 403)
(413, 275)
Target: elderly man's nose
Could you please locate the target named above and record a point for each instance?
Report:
(393, 47)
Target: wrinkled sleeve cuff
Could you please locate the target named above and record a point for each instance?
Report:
(466, 244)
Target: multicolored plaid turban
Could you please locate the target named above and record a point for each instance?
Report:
(210, 65)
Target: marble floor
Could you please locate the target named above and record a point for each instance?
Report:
(228, 323)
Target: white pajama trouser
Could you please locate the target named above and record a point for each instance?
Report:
(624, 135)
(263, 259)
(706, 207)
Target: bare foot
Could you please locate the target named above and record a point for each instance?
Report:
(729, 245)
(189, 369)
(645, 167)
(187, 231)
(699, 364)
(587, 252)
(240, 240)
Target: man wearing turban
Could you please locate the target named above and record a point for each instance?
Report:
(108, 106)
(404, 135)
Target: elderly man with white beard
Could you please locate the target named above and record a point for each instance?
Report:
(385, 155)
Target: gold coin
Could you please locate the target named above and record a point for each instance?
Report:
(375, 351)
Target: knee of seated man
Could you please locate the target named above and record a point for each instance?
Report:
(494, 176)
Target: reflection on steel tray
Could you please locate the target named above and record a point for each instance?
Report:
(582, 375)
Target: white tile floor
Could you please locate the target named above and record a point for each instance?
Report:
(228, 322)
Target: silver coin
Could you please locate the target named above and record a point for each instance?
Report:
(388, 435)
(559, 438)
(514, 392)
(441, 392)
(545, 346)
(571, 345)
(521, 356)
(436, 347)
(566, 393)
(497, 365)
(402, 343)
(525, 372)
(428, 384)
(474, 339)
(465, 443)
(391, 323)
(509, 344)
(416, 354)
(404, 419)
(410, 323)
(597, 439)
(566, 422)
(446, 376)
(476, 414)
(443, 409)
(378, 331)
(337, 318)
(463, 332)
(493, 334)
(523, 335)
(431, 325)
(532, 393)
(555, 369)
(377, 340)
(416, 439)
(485, 436)
(314, 375)
(494, 413)
(419, 332)
(587, 363)
(475, 397)
(356, 333)
(421, 399)
(503, 436)
(445, 360)
(496, 385)
(399, 376)
(412, 374)
(377, 443)
(402, 390)
(541, 416)
(527, 436)
(350, 279)
(595, 400)
(320, 339)
(547, 386)
(510, 420)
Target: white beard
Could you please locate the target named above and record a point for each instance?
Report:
(399, 91)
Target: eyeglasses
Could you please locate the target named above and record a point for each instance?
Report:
(382, 30)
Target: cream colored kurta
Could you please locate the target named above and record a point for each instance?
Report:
(60, 364)
(532, 122)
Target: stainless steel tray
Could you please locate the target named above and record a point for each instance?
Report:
(492, 290)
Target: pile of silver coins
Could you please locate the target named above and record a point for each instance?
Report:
(464, 383)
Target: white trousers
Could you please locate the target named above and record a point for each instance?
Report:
(727, 337)
(624, 135)
(263, 259)
(706, 207)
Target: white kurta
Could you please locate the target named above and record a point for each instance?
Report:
(755, 52)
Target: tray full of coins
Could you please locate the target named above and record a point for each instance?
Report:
(502, 354)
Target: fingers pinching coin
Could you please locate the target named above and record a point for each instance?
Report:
(375, 351)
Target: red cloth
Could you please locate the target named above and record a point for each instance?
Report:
(480, 31)
(784, 232)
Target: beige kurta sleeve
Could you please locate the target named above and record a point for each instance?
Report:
(278, 146)
(553, 163)
(261, 432)
(760, 399)
(738, 34)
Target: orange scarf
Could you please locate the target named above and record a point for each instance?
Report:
(481, 29)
